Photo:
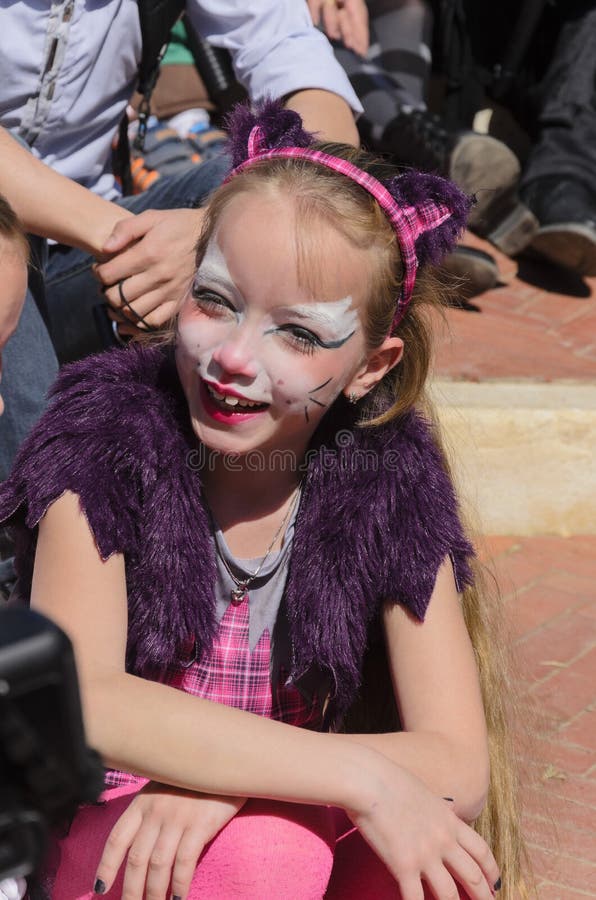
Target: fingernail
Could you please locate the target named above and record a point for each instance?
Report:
(497, 885)
(176, 897)
(99, 887)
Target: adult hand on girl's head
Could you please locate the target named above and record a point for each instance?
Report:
(164, 831)
(152, 255)
(345, 21)
(421, 840)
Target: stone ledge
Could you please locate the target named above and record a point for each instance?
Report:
(523, 453)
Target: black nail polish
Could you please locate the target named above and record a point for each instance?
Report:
(99, 887)
(497, 885)
(176, 897)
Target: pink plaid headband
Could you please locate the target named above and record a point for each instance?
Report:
(408, 222)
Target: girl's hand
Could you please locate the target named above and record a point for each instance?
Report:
(422, 841)
(164, 831)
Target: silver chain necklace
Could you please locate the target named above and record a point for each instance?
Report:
(240, 593)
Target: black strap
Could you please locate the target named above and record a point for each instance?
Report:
(214, 65)
(157, 18)
(121, 157)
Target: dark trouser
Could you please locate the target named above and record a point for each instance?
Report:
(72, 292)
(566, 145)
(396, 69)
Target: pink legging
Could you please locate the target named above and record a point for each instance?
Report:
(269, 851)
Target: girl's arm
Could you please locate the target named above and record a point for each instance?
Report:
(155, 730)
(436, 686)
(169, 736)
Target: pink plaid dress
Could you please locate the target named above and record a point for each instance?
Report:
(234, 675)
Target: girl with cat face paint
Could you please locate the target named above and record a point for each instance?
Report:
(278, 662)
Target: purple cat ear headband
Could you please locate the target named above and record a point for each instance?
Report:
(410, 220)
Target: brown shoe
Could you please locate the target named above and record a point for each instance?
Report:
(475, 271)
(479, 164)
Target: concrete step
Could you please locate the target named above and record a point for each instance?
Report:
(524, 453)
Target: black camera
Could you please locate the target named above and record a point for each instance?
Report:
(46, 768)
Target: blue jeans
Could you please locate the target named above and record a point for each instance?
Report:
(29, 366)
(566, 143)
(72, 294)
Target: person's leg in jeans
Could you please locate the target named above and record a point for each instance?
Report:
(73, 293)
(396, 69)
(29, 366)
(558, 182)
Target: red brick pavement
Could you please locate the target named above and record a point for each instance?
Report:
(549, 587)
(541, 325)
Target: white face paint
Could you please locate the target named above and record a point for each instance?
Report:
(214, 271)
(249, 333)
(335, 321)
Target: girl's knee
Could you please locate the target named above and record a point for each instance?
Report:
(269, 851)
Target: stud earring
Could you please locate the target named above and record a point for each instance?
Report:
(353, 397)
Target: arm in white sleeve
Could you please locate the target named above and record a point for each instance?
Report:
(275, 48)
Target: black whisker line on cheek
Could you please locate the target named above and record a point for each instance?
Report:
(312, 400)
(320, 387)
(306, 414)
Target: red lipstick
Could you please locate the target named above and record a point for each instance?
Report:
(230, 415)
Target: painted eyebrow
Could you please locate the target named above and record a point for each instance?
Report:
(209, 278)
(207, 273)
(305, 313)
(333, 345)
(327, 345)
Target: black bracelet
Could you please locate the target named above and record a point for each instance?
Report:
(139, 318)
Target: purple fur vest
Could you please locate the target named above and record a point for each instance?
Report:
(377, 517)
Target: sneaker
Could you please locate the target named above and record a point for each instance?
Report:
(165, 154)
(566, 212)
(479, 164)
(475, 271)
(207, 141)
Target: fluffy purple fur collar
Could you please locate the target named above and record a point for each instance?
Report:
(377, 515)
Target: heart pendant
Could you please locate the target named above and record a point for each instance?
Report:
(239, 595)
